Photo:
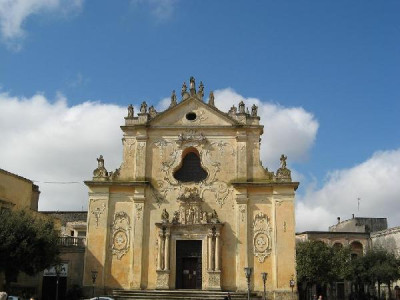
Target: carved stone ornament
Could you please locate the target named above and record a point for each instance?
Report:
(214, 280)
(191, 138)
(100, 171)
(162, 280)
(97, 212)
(120, 234)
(262, 237)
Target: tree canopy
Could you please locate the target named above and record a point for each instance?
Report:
(28, 243)
(318, 263)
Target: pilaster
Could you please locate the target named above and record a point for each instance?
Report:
(242, 258)
(241, 171)
(141, 146)
(138, 200)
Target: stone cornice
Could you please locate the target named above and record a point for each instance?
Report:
(295, 185)
(116, 183)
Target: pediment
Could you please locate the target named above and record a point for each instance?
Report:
(192, 112)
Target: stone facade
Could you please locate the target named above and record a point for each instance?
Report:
(191, 177)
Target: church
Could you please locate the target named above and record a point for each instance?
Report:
(191, 205)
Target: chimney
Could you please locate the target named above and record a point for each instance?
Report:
(338, 220)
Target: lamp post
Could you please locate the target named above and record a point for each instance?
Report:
(264, 278)
(58, 269)
(247, 272)
(94, 276)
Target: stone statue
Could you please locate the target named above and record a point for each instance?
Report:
(201, 91)
(100, 171)
(247, 111)
(283, 161)
(214, 217)
(241, 107)
(184, 89)
(130, 111)
(233, 110)
(152, 111)
(165, 216)
(143, 107)
(211, 99)
(100, 162)
(173, 99)
(254, 109)
(204, 218)
(175, 218)
(192, 84)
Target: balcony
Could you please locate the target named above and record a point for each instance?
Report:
(71, 241)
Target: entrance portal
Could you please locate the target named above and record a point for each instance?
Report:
(188, 264)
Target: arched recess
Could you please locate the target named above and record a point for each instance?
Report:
(190, 169)
(356, 249)
(337, 245)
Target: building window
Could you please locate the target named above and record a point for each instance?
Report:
(190, 169)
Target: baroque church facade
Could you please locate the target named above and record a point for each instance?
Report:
(191, 205)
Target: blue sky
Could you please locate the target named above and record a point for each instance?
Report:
(337, 60)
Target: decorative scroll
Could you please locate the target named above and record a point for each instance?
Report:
(191, 138)
(261, 237)
(120, 234)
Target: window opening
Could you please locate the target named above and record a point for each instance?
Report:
(191, 169)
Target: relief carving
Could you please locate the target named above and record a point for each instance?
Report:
(120, 234)
(139, 210)
(242, 210)
(97, 212)
(261, 237)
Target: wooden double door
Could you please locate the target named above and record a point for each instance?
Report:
(188, 264)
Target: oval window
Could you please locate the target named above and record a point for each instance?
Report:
(191, 116)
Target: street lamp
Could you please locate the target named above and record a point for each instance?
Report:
(264, 278)
(58, 269)
(94, 276)
(247, 272)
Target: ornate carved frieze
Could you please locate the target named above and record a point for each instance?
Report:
(262, 241)
(120, 237)
(191, 138)
(97, 213)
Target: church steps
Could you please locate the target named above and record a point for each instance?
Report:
(179, 295)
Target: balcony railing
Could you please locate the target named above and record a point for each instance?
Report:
(71, 241)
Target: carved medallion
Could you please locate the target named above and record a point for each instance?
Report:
(262, 237)
(120, 234)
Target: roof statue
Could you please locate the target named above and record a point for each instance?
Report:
(241, 107)
(192, 86)
(173, 99)
(283, 174)
(283, 161)
(130, 111)
(143, 107)
(211, 99)
(152, 111)
(184, 93)
(254, 109)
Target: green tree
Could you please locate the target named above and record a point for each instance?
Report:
(28, 244)
(320, 264)
(377, 266)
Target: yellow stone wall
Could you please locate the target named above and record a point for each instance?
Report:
(17, 192)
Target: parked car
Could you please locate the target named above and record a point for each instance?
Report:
(14, 298)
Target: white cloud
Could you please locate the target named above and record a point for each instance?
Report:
(375, 181)
(161, 10)
(14, 13)
(287, 130)
(49, 141)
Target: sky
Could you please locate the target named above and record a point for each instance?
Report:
(325, 75)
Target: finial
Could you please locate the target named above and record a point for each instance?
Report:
(241, 107)
(192, 86)
(200, 94)
(254, 109)
(130, 111)
(173, 99)
(143, 107)
(211, 99)
(184, 92)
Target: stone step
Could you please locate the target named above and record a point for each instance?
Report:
(179, 295)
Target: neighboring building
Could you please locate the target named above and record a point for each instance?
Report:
(17, 192)
(191, 205)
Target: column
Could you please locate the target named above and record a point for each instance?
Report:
(210, 254)
(166, 251)
(217, 242)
